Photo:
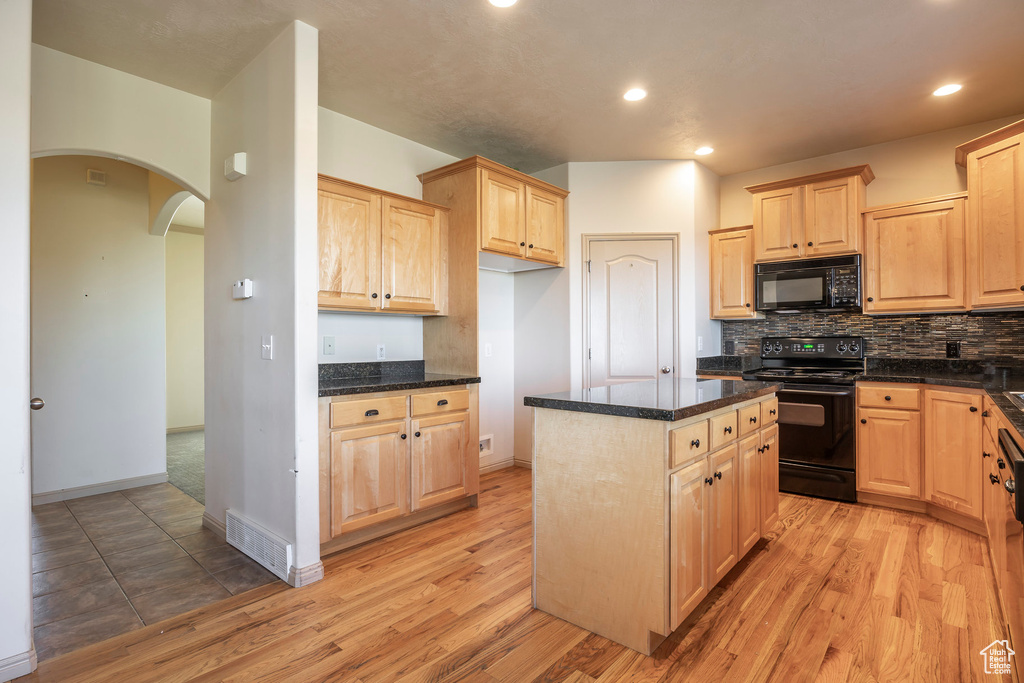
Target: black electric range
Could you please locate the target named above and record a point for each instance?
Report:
(817, 406)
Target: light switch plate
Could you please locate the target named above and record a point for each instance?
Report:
(267, 347)
(328, 346)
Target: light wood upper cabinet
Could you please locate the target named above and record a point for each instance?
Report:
(995, 218)
(769, 478)
(440, 458)
(816, 215)
(748, 510)
(889, 452)
(953, 468)
(545, 225)
(518, 218)
(380, 252)
(689, 494)
(732, 273)
(368, 476)
(348, 233)
(914, 257)
(503, 213)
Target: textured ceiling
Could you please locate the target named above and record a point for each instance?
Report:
(541, 83)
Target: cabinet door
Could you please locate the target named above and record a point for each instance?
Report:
(545, 226)
(732, 274)
(503, 214)
(348, 231)
(749, 500)
(440, 452)
(779, 224)
(914, 258)
(769, 478)
(832, 217)
(994, 502)
(952, 468)
(889, 452)
(411, 244)
(995, 224)
(723, 539)
(368, 476)
(689, 492)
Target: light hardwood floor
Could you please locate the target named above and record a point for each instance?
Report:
(836, 592)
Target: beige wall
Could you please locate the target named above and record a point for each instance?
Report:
(906, 169)
(184, 259)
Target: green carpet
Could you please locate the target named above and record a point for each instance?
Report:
(186, 463)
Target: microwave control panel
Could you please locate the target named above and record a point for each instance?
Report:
(846, 286)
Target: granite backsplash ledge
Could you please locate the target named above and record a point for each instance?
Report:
(983, 335)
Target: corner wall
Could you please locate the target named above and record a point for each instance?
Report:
(17, 655)
(184, 259)
(261, 415)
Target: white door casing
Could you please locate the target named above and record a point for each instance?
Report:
(630, 309)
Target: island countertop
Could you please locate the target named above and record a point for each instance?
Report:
(667, 399)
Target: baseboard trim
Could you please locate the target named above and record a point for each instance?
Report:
(495, 466)
(215, 525)
(181, 430)
(303, 576)
(18, 665)
(96, 489)
(526, 464)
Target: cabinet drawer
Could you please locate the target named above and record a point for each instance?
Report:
(368, 411)
(750, 419)
(440, 402)
(723, 429)
(688, 442)
(769, 411)
(905, 398)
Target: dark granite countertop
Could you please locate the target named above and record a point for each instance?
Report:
(339, 379)
(667, 400)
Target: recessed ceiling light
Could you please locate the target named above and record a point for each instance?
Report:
(703, 150)
(502, 3)
(635, 94)
(947, 89)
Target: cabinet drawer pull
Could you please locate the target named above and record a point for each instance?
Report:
(753, 420)
(760, 449)
(974, 409)
(718, 475)
(695, 443)
(888, 398)
(767, 446)
(371, 413)
(772, 411)
(986, 455)
(993, 478)
(728, 430)
(443, 402)
(709, 481)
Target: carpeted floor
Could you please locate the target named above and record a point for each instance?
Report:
(186, 463)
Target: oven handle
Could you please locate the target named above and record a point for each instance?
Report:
(1015, 460)
(819, 392)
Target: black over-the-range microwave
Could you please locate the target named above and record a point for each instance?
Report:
(821, 284)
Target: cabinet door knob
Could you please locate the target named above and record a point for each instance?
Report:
(709, 481)
(417, 434)
(1002, 465)
(374, 295)
(695, 443)
(531, 246)
(747, 305)
(810, 244)
(522, 244)
(984, 413)
(371, 413)
(888, 398)
(986, 455)
(1022, 288)
(405, 436)
(387, 296)
(36, 404)
(767, 446)
(993, 478)
(718, 475)
(871, 298)
(761, 449)
(974, 409)
(863, 421)
(795, 245)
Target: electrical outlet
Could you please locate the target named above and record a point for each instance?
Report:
(952, 349)
(328, 346)
(267, 347)
(380, 352)
(700, 343)
(488, 350)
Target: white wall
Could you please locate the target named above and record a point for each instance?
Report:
(184, 278)
(355, 151)
(16, 654)
(706, 207)
(497, 371)
(261, 420)
(907, 169)
(97, 327)
(79, 107)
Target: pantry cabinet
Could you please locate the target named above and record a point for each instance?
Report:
(995, 217)
(914, 256)
(732, 273)
(810, 216)
(380, 252)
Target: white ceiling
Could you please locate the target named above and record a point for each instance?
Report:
(541, 83)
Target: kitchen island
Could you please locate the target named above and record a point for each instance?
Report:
(645, 495)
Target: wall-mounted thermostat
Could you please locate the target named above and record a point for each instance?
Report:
(242, 289)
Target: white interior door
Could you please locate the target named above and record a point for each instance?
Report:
(631, 311)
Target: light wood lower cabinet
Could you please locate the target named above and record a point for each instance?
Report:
(952, 469)
(889, 452)
(390, 456)
(769, 498)
(690, 495)
(748, 509)
(994, 502)
(723, 532)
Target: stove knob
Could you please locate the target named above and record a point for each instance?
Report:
(854, 347)
(778, 347)
(767, 348)
(841, 347)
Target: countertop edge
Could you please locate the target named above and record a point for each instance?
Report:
(396, 385)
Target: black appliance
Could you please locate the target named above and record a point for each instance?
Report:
(1013, 581)
(817, 410)
(821, 284)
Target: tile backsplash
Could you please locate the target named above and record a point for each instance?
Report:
(987, 335)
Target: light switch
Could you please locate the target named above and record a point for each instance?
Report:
(267, 347)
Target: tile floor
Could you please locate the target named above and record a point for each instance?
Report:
(108, 564)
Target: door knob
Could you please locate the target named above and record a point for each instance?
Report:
(665, 369)
(36, 404)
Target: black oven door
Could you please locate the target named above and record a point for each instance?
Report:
(793, 290)
(816, 426)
